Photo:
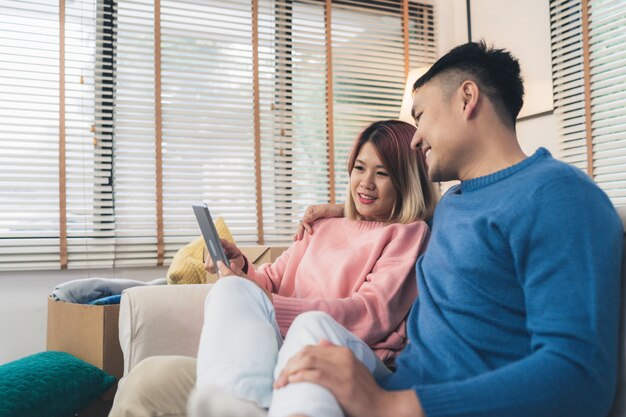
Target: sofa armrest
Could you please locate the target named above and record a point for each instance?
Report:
(161, 320)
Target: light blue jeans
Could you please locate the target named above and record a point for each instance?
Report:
(241, 351)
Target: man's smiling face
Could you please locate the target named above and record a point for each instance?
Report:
(438, 130)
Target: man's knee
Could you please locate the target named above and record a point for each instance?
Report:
(312, 321)
(158, 385)
(311, 327)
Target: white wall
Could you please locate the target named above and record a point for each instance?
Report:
(23, 305)
(24, 294)
(534, 132)
(538, 125)
(531, 47)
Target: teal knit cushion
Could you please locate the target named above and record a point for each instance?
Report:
(49, 384)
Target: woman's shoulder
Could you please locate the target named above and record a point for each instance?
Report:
(416, 227)
(323, 227)
(329, 222)
(342, 223)
(407, 238)
(384, 228)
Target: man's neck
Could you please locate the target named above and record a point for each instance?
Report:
(494, 153)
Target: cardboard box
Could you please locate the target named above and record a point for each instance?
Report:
(88, 332)
(91, 332)
(259, 255)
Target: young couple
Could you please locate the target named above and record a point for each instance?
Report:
(517, 312)
(358, 271)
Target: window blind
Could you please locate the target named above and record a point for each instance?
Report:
(605, 91)
(54, 145)
(293, 112)
(135, 132)
(368, 74)
(157, 104)
(422, 37)
(607, 56)
(568, 80)
(207, 134)
(208, 149)
(29, 135)
(368, 67)
(89, 209)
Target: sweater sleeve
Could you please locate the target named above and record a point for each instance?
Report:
(384, 299)
(567, 255)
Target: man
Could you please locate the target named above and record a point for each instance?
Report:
(517, 313)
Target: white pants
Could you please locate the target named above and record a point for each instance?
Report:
(241, 351)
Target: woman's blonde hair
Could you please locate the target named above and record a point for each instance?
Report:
(416, 195)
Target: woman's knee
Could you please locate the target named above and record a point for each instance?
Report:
(234, 288)
(228, 286)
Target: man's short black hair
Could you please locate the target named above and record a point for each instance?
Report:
(496, 72)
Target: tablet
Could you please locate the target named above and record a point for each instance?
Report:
(211, 238)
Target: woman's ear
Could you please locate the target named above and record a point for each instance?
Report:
(469, 92)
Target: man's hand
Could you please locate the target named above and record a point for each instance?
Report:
(225, 271)
(314, 213)
(337, 369)
(233, 253)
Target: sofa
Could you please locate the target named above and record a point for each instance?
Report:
(166, 320)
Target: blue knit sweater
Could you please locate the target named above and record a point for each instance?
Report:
(518, 304)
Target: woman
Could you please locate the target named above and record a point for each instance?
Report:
(357, 271)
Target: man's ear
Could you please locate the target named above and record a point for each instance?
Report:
(469, 95)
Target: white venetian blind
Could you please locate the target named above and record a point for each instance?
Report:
(88, 106)
(44, 146)
(29, 135)
(368, 67)
(606, 92)
(135, 132)
(208, 147)
(568, 79)
(292, 87)
(164, 103)
(206, 134)
(367, 49)
(422, 37)
(607, 55)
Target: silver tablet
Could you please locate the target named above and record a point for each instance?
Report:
(211, 238)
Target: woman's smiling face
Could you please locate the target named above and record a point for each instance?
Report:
(370, 185)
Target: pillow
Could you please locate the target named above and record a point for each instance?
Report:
(50, 384)
(187, 266)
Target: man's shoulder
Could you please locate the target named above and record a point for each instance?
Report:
(565, 194)
(559, 177)
(550, 177)
(550, 168)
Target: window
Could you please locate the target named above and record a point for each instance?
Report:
(184, 101)
(367, 62)
(589, 75)
(42, 188)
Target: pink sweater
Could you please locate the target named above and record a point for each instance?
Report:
(361, 273)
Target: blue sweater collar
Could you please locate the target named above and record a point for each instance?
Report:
(483, 181)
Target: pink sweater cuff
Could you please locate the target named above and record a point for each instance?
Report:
(287, 309)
